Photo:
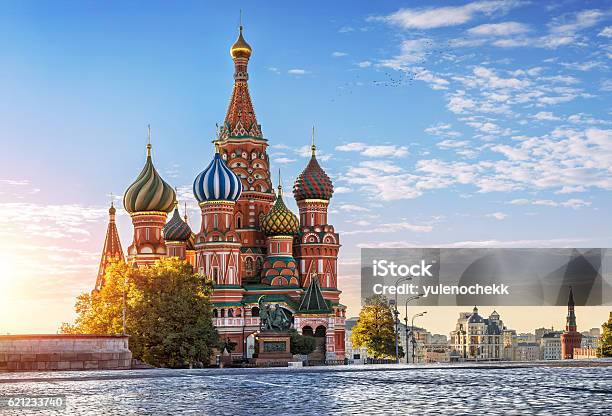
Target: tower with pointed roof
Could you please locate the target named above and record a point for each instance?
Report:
(112, 250)
(243, 147)
(317, 244)
(571, 338)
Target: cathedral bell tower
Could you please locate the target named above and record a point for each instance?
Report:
(243, 148)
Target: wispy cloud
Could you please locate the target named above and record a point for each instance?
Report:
(374, 150)
(435, 17)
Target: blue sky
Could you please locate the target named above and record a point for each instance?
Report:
(442, 123)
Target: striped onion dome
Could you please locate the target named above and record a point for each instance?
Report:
(176, 229)
(149, 192)
(217, 182)
(279, 220)
(313, 182)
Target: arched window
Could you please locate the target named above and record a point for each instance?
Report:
(230, 313)
(238, 221)
(215, 313)
(307, 330)
(320, 331)
(255, 311)
(249, 265)
(222, 313)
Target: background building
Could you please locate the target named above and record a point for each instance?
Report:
(477, 338)
(527, 351)
(550, 345)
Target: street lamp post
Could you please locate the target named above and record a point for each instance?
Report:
(412, 340)
(406, 323)
(396, 316)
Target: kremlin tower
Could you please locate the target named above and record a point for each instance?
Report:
(571, 338)
(249, 242)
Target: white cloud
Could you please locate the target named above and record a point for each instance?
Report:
(442, 130)
(284, 160)
(411, 51)
(297, 71)
(394, 227)
(434, 17)
(342, 190)
(546, 116)
(458, 103)
(497, 215)
(352, 208)
(374, 150)
(564, 30)
(346, 29)
(499, 29)
(452, 144)
(364, 64)
(339, 54)
(575, 203)
(606, 32)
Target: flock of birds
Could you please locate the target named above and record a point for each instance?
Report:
(402, 77)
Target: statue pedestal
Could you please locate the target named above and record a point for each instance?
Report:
(273, 347)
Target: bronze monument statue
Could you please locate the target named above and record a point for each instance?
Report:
(272, 318)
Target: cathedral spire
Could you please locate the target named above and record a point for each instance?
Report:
(112, 247)
(240, 121)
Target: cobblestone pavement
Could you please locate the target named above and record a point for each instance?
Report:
(353, 390)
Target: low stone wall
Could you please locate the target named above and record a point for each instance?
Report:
(64, 352)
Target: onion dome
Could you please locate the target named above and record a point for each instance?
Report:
(240, 48)
(217, 182)
(313, 182)
(176, 229)
(279, 220)
(149, 192)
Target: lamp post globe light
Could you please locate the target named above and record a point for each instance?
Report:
(396, 316)
(412, 340)
(410, 299)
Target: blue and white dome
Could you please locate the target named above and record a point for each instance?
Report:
(217, 183)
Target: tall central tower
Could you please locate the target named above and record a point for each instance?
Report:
(243, 148)
(571, 338)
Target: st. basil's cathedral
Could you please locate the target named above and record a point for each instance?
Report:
(249, 243)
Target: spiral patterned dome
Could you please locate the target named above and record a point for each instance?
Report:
(313, 182)
(176, 229)
(217, 183)
(149, 192)
(279, 220)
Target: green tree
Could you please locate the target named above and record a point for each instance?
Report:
(168, 312)
(605, 348)
(302, 344)
(375, 329)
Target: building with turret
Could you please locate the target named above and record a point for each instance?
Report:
(249, 243)
(476, 338)
(570, 338)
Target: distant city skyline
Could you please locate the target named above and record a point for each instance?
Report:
(483, 124)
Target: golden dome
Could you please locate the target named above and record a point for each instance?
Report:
(240, 48)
